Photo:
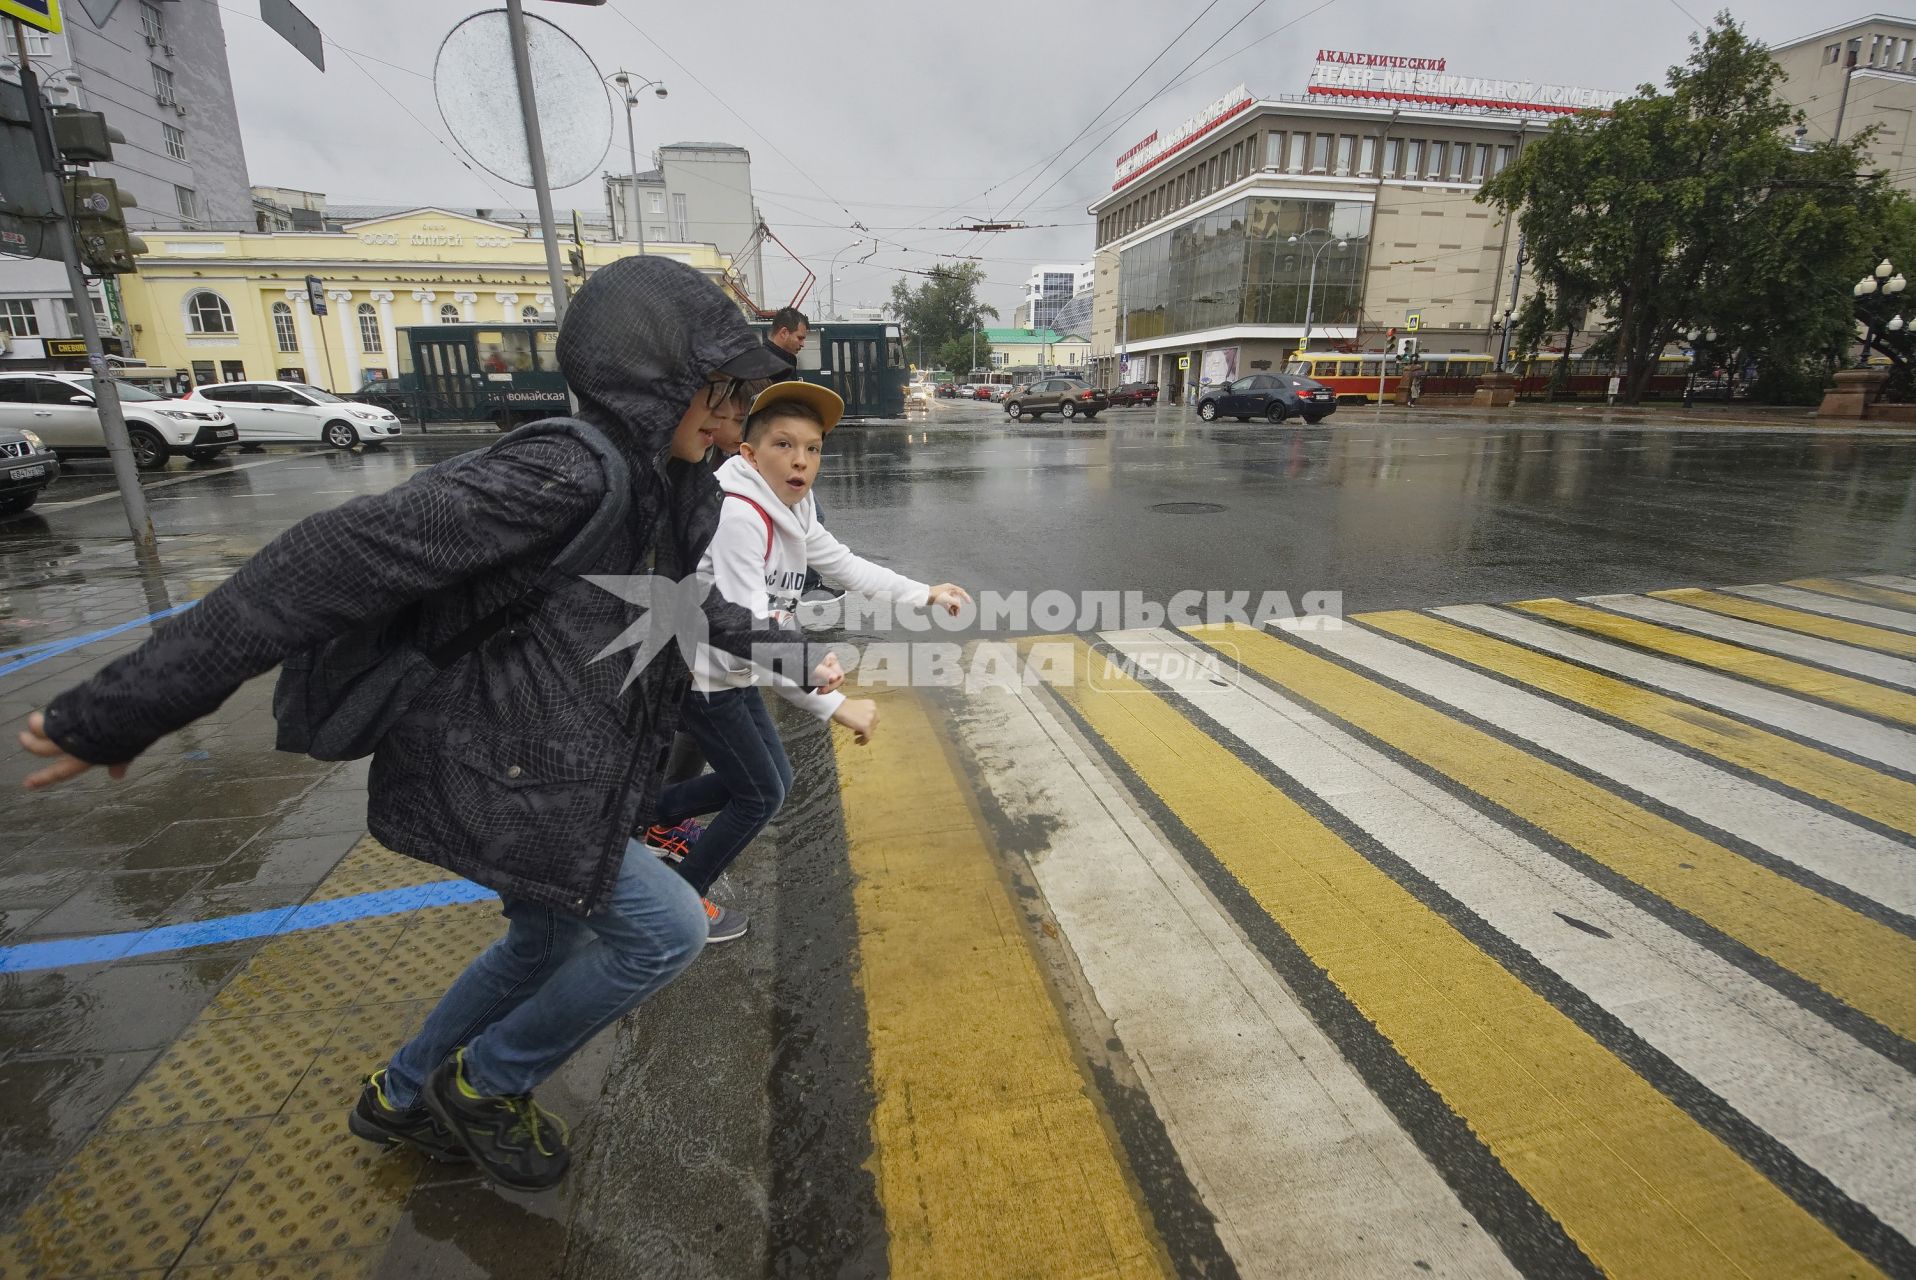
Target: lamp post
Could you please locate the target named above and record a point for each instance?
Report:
(1697, 338)
(629, 87)
(1310, 294)
(831, 283)
(1890, 282)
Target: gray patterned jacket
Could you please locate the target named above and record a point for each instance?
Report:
(525, 766)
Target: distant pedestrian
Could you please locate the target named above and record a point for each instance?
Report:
(524, 765)
(786, 340)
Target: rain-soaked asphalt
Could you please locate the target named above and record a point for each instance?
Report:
(754, 1079)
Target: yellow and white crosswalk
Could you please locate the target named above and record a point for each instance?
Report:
(1550, 938)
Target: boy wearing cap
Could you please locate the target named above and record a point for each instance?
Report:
(768, 536)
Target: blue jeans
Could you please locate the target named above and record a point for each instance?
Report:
(534, 997)
(748, 783)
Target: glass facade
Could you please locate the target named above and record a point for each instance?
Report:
(1237, 265)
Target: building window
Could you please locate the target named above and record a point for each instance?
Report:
(1480, 162)
(1503, 159)
(1833, 53)
(188, 201)
(1299, 153)
(1321, 153)
(39, 44)
(1414, 159)
(529, 313)
(448, 314)
(18, 319)
(1438, 150)
(1393, 158)
(681, 220)
(1367, 157)
(285, 336)
(152, 25)
(175, 141)
(1459, 158)
(163, 85)
(207, 312)
(1274, 151)
(1346, 144)
(369, 339)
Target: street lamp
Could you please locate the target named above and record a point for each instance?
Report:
(629, 87)
(1891, 283)
(831, 280)
(1310, 294)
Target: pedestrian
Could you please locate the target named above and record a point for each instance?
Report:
(787, 339)
(767, 539)
(525, 764)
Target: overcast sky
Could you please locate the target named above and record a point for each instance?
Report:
(904, 116)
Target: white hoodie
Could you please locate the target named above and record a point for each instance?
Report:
(768, 580)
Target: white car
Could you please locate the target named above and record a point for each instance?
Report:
(59, 408)
(295, 413)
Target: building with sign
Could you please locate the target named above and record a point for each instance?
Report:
(222, 306)
(158, 72)
(1261, 225)
(1857, 76)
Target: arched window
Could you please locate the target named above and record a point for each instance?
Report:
(449, 314)
(283, 331)
(529, 314)
(207, 312)
(369, 340)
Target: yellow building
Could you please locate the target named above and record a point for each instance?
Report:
(224, 306)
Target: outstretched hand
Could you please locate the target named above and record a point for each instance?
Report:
(34, 738)
(948, 596)
(828, 675)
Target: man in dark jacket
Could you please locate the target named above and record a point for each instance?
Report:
(526, 764)
(787, 339)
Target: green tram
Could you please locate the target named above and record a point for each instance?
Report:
(509, 373)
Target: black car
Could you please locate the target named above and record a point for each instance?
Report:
(26, 467)
(389, 394)
(1271, 396)
(1135, 393)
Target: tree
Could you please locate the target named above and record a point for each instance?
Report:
(1690, 211)
(943, 307)
(956, 355)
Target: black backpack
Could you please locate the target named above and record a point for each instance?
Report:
(337, 700)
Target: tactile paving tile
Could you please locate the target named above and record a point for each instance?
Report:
(361, 1044)
(127, 1201)
(310, 1187)
(326, 968)
(226, 1069)
(438, 944)
(348, 1264)
(370, 867)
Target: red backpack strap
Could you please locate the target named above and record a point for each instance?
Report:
(763, 515)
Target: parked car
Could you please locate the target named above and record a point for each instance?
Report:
(1271, 396)
(1067, 397)
(389, 394)
(27, 467)
(1134, 393)
(295, 413)
(979, 390)
(997, 392)
(58, 407)
(948, 391)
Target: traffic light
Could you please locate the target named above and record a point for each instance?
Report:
(1407, 348)
(83, 137)
(99, 224)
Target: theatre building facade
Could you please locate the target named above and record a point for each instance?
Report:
(1220, 242)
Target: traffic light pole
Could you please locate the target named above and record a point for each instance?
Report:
(106, 393)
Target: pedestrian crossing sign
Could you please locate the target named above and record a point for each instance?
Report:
(42, 15)
(1413, 321)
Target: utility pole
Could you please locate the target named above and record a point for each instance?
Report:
(536, 153)
(106, 393)
(1510, 313)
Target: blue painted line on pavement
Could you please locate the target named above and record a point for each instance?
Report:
(61, 953)
(54, 648)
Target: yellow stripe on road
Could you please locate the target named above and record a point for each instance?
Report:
(1862, 790)
(1860, 962)
(1799, 620)
(993, 1156)
(1640, 1186)
(1861, 592)
(1732, 659)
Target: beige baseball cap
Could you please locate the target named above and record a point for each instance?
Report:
(829, 405)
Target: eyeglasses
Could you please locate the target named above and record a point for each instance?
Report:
(719, 391)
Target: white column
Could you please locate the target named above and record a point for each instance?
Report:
(425, 298)
(466, 303)
(342, 300)
(508, 307)
(543, 301)
(383, 299)
(303, 318)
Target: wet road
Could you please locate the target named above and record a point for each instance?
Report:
(1553, 917)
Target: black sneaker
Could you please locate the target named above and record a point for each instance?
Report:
(515, 1142)
(377, 1120)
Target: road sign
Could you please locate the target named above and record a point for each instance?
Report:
(1184, 362)
(316, 295)
(1413, 321)
(42, 15)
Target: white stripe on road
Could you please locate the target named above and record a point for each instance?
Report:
(1894, 581)
(1305, 1170)
(113, 495)
(1828, 653)
(1875, 615)
(1874, 865)
(1836, 1104)
(1811, 721)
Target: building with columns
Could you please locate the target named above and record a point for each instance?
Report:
(224, 306)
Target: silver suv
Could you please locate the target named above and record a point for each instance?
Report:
(59, 408)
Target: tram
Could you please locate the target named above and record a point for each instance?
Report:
(1355, 377)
